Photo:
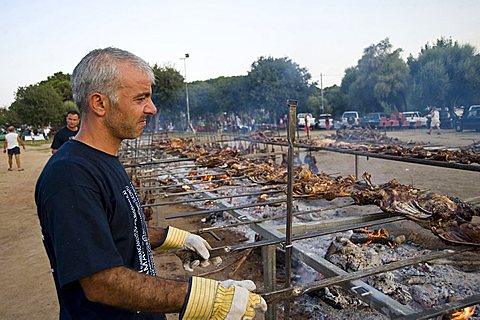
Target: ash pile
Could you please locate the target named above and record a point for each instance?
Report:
(420, 287)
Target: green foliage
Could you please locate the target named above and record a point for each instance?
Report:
(445, 74)
(165, 94)
(4, 116)
(38, 105)
(334, 101)
(378, 82)
(168, 81)
(273, 81)
(61, 83)
(215, 96)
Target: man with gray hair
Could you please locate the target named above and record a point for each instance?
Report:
(93, 226)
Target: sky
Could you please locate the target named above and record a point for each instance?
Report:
(222, 38)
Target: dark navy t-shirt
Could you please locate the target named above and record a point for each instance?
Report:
(91, 220)
(62, 136)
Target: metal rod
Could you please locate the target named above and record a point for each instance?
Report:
(212, 199)
(292, 292)
(436, 163)
(356, 166)
(295, 214)
(168, 169)
(158, 162)
(189, 183)
(383, 218)
(157, 174)
(292, 115)
(166, 195)
(443, 309)
(194, 213)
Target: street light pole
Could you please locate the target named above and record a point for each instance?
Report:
(189, 125)
(321, 88)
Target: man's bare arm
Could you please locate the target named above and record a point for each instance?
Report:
(156, 236)
(127, 289)
(20, 142)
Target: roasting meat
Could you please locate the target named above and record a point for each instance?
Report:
(447, 217)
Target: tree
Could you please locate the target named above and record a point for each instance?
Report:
(379, 81)
(61, 83)
(4, 116)
(215, 96)
(38, 105)
(273, 81)
(445, 74)
(165, 94)
(334, 101)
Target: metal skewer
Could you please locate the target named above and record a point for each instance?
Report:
(158, 162)
(213, 199)
(189, 183)
(372, 220)
(295, 214)
(194, 213)
(166, 195)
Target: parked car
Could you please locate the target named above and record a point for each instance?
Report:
(305, 119)
(475, 106)
(372, 119)
(446, 119)
(351, 119)
(468, 121)
(415, 118)
(322, 121)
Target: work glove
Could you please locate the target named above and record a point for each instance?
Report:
(197, 253)
(211, 299)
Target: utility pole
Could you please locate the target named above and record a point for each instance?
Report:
(321, 90)
(189, 124)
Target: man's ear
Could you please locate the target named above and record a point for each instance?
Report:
(97, 103)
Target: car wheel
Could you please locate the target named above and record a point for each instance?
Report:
(458, 128)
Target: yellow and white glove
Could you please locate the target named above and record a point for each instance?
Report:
(211, 299)
(177, 238)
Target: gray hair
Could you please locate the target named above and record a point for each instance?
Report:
(98, 72)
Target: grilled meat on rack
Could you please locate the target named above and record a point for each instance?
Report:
(447, 217)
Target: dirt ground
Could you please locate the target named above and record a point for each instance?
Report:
(27, 286)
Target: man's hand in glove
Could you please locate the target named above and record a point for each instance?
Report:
(211, 299)
(198, 248)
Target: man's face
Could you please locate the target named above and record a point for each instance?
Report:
(127, 119)
(72, 121)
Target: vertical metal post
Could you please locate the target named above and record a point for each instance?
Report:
(189, 124)
(292, 112)
(356, 167)
(321, 89)
(270, 277)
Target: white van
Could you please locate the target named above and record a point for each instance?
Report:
(415, 118)
(305, 118)
(351, 119)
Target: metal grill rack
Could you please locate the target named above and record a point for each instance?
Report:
(283, 238)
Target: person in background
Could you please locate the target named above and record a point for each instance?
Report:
(11, 146)
(435, 122)
(67, 132)
(93, 226)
